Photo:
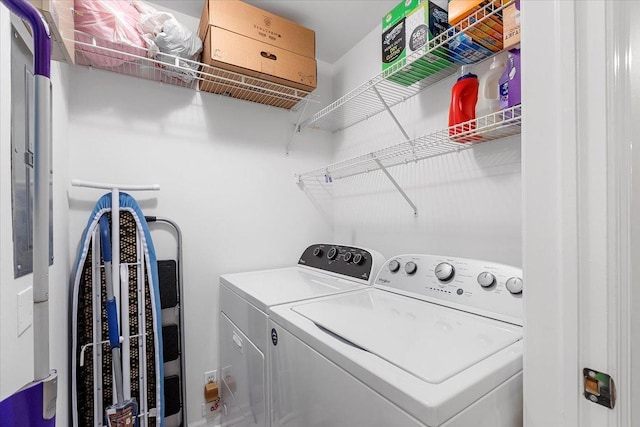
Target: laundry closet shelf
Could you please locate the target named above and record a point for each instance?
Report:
(483, 129)
(170, 69)
(381, 92)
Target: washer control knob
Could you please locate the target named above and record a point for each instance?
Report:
(333, 252)
(358, 259)
(514, 285)
(394, 266)
(486, 279)
(410, 268)
(444, 271)
(317, 252)
(348, 256)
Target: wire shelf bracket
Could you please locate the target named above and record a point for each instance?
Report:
(395, 184)
(393, 116)
(297, 129)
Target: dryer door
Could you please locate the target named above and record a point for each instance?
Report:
(243, 378)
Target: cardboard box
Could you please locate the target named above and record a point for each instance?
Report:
(487, 34)
(59, 17)
(511, 16)
(406, 30)
(463, 50)
(230, 51)
(247, 20)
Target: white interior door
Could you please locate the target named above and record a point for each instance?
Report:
(581, 108)
(631, 359)
(623, 50)
(549, 182)
(608, 93)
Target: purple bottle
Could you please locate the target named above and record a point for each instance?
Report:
(510, 81)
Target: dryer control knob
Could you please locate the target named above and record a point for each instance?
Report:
(333, 252)
(410, 268)
(317, 252)
(486, 279)
(394, 266)
(514, 285)
(358, 259)
(348, 256)
(444, 271)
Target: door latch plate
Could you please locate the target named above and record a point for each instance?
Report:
(599, 388)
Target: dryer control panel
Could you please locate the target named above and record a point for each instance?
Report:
(481, 287)
(350, 261)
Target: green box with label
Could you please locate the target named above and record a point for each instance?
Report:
(406, 30)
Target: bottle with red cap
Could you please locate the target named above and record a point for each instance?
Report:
(464, 96)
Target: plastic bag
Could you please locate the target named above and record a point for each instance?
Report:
(150, 24)
(113, 24)
(178, 40)
(166, 38)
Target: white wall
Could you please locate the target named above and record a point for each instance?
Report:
(224, 177)
(16, 352)
(469, 203)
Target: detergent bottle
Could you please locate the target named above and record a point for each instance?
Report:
(464, 96)
(489, 88)
(510, 81)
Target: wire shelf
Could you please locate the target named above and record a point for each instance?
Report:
(161, 67)
(452, 139)
(438, 59)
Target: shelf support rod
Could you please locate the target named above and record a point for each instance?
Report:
(297, 128)
(393, 116)
(395, 184)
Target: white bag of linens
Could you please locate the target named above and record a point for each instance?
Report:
(163, 34)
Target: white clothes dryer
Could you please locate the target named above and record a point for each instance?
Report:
(323, 269)
(437, 341)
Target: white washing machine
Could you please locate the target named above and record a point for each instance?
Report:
(322, 270)
(437, 341)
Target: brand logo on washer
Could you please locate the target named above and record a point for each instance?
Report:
(274, 336)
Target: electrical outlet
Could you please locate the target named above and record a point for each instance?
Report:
(210, 376)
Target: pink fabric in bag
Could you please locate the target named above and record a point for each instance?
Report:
(114, 25)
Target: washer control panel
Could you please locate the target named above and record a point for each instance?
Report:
(482, 287)
(350, 261)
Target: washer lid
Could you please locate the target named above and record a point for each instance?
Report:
(427, 340)
(279, 286)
